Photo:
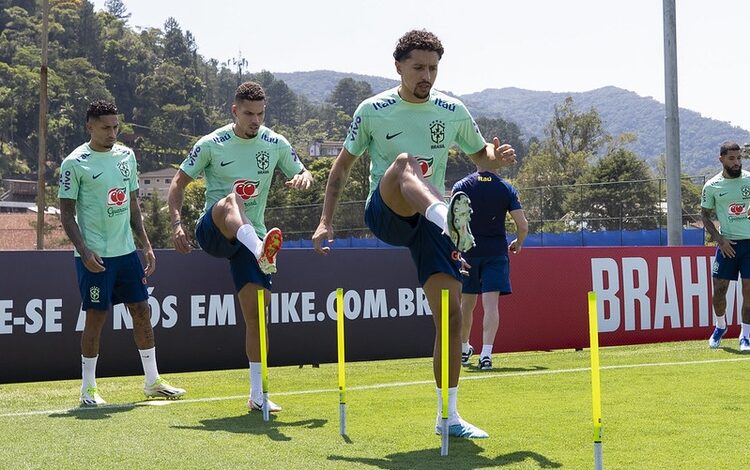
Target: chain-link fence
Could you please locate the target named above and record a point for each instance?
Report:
(625, 206)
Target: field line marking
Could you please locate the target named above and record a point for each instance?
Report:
(365, 387)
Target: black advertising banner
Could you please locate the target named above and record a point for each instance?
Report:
(197, 321)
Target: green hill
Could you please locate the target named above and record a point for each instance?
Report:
(621, 111)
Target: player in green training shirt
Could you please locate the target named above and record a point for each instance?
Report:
(728, 194)
(408, 131)
(238, 161)
(99, 205)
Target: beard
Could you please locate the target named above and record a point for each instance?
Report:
(734, 173)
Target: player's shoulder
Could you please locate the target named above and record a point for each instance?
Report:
(379, 102)
(272, 137)
(217, 137)
(119, 150)
(446, 102)
(79, 155)
(714, 180)
(469, 179)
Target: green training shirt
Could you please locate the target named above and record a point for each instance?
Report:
(730, 198)
(101, 183)
(244, 166)
(386, 125)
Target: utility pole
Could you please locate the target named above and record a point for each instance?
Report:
(42, 163)
(674, 189)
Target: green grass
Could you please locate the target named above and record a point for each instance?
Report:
(671, 405)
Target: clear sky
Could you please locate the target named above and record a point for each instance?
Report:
(551, 45)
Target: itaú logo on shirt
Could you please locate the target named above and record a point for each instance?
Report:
(117, 197)
(425, 164)
(246, 189)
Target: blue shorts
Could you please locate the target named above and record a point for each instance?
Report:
(242, 263)
(123, 281)
(432, 251)
(730, 268)
(488, 274)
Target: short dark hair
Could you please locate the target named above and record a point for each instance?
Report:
(727, 146)
(100, 108)
(422, 40)
(250, 91)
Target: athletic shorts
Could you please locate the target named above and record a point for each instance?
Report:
(242, 264)
(488, 274)
(432, 251)
(730, 268)
(123, 281)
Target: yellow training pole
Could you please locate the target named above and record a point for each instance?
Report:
(342, 358)
(596, 392)
(263, 351)
(444, 372)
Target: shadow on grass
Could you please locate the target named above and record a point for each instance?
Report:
(98, 412)
(252, 423)
(731, 350)
(463, 454)
(474, 369)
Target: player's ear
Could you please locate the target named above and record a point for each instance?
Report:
(398, 67)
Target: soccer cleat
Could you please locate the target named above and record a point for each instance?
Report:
(715, 339)
(253, 405)
(466, 356)
(90, 397)
(462, 429)
(271, 245)
(459, 215)
(162, 388)
(744, 344)
(485, 363)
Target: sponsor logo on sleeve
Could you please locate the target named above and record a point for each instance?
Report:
(65, 180)
(383, 103)
(222, 138)
(354, 128)
(267, 137)
(193, 155)
(445, 105)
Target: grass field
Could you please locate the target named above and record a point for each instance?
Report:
(664, 406)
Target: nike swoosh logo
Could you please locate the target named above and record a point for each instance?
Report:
(390, 136)
(722, 194)
(96, 176)
(226, 163)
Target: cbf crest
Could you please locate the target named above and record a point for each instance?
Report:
(437, 131)
(745, 192)
(124, 168)
(263, 159)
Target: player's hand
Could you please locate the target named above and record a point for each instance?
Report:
(505, 154)
(323, 232)
(515, 247)
(92, 261)
(726, 247)
(148, 254)
(302, 181)
(464, 269)
(181, 240)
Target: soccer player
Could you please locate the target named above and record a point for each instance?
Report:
(238, 161)
(408, 131)
(728, 194)
(100, 214)
(489, 273)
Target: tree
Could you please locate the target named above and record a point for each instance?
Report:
(156, 221)
(117, 9)
(606, 205)
(348, 93)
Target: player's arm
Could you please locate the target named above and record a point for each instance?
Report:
(335, 185)
(522, 230)
(91, 260)
(724, 244)
(494, 155)
(302, 180)
(175, 199)
(139, 231)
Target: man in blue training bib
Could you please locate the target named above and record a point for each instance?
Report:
(408, 131)
(100, 213)
(728, 194)
(489, 273)
(238, 161)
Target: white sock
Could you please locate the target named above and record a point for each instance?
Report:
(437, 213)
(745, 330)
(256, 382)
(247, 236)
(452, 408)
(465, 347)
(486, 350)
(88, 371)
(721, 322)
(148, 359)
